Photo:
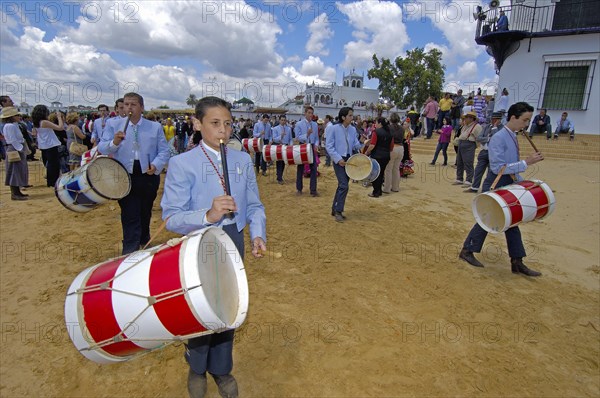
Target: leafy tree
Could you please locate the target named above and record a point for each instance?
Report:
(164, 107)
(191, 100)
(409, 79)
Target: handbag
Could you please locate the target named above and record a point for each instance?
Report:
(13, 156)
(77, 149)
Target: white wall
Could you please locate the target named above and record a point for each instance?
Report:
(523, 71)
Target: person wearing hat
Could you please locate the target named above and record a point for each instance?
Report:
(17, 173)
(483, 160)
(467, 143)
(505, 165)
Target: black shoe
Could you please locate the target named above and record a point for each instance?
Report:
(470, 258)
(339, 217)
(227, 385)
(373, 195)
(333, 213)
(314, 194)
(196, 384)
(17, 197)
(517, 267)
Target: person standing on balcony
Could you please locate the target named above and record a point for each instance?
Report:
(502, 24)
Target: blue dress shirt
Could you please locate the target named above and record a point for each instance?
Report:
(341, 141)
(277, 132)
(192, 183)
(302, 131)
(152, 146)
(503, 150)
(260, 127)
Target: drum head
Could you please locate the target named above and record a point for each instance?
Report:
(489, 213)
(109, 178)
(217, 262)
(233, 143)
(358, 167)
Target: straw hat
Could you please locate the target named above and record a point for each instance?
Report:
(473, 114)
(320, 121)
(9, 111)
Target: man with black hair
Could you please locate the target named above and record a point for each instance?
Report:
(503, 151)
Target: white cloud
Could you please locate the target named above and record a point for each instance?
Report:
(378, 28)
(232, 37)
(320, 32)
(467, 71)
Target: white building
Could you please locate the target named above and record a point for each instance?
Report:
(328, 99)
(549, 57)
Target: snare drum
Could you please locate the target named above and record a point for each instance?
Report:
(253, 145)
(290, 154)
(235, 142)
(137, 303)
(94, 183)
(360, 167)
(524, 201)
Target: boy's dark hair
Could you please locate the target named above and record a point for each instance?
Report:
(39, 113)
(136, 96)
(518, 108)
(344, 112)
(210, 102)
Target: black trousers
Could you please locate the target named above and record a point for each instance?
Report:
(52, 162)
(379, 180)
(136, 209)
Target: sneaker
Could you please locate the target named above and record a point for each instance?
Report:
(227, 385)
(196, 384)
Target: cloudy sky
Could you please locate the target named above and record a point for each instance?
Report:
(92, 52)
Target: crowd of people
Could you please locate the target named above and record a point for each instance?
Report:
(194, 198)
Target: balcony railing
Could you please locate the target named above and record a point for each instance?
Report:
(555, 17)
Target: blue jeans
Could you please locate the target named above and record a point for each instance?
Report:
(441, 146)
(339, 199)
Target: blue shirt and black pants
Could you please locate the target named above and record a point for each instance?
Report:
(144, 144)
(503, 150)
(302, 128)
(281, 135)
(340, 143)
(261, 130)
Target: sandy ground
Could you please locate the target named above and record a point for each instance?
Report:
(377, 306)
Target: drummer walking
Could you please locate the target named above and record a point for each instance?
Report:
(503, 150)
(341, 140)
(282, 135)
(143, 151)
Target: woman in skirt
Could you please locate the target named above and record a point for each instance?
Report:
(17, 173)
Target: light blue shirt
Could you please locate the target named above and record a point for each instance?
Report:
(262, 130)
(277, 133)
(503, 150)
(151, 146)
(565, 125)
(341, 141)
(98, 128)
(302, 131)
(192, 183)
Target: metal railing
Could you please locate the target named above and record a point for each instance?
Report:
(557, 17)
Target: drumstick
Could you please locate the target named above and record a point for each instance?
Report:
(225, 174)
(529, 139)
(127, 123)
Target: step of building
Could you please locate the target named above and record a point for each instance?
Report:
(585, 147)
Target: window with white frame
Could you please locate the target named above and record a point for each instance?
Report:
(567, 84)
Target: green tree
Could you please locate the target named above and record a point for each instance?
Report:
(191, 100)
(409, 79)
(164, 107)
